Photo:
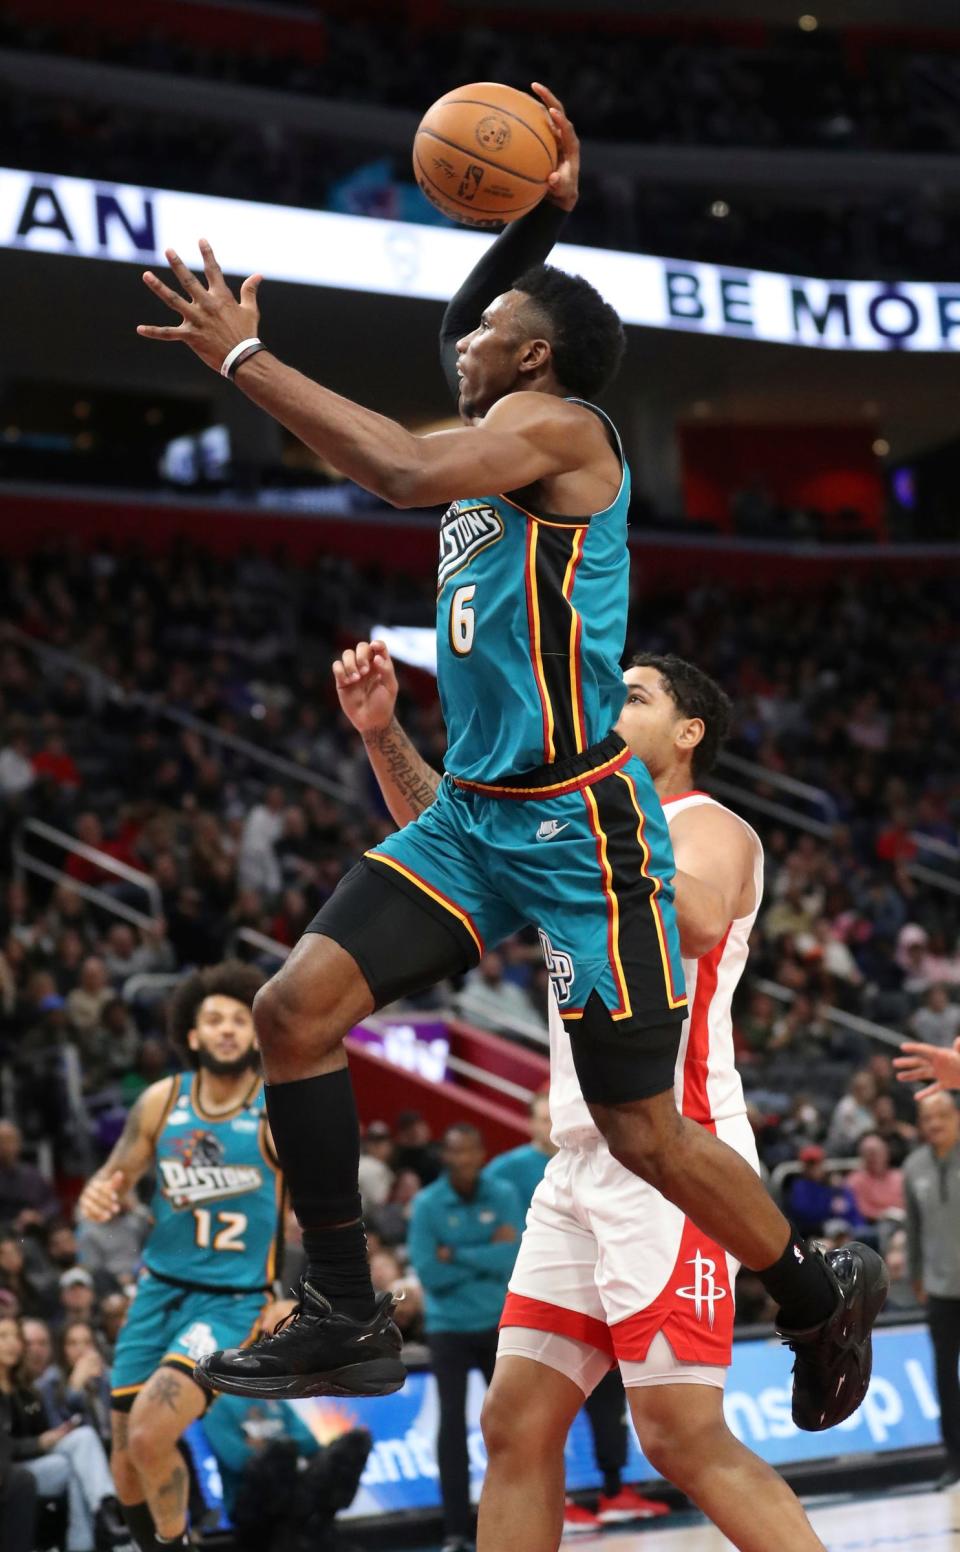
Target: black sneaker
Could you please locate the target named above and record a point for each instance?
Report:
(314, 1352)
(833, 1361)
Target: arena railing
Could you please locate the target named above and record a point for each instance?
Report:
(843, 1020)
(25, 862)
(106, 688)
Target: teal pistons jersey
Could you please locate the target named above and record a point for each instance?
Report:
(217, 1201)
(531, 624)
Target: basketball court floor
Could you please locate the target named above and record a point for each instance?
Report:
(902, 1522)
(905, 1521)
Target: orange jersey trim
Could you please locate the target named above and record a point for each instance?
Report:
(576, 635)
(624, 1009)
(557, 789)
(536, 656)
(675, 999)
(435, 894)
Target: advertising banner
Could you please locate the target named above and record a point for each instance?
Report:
(45, 213)
(900, 1412)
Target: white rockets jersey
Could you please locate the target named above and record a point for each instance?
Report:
(707, 1085)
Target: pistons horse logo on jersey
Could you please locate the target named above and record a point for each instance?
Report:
(467, 528)
(197, 1173)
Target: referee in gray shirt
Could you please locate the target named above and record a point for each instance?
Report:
(931, 1177)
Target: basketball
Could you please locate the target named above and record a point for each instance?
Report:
(483, 153)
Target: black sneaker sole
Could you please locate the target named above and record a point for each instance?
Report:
(379, 1377)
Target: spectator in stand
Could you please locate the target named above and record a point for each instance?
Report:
(68, 1459)
(463, 1242)
(938, 1021)
(28, 1292)
(901, 1295)
(392, 1221)
(109, 1048)
(39, 1357)
(523, 1168)
(932, 1186)
(125, 955)
(112, 1313)
(755, 1028)
(413, 1147)
(813, 1198)
(77, 1298)
(78, 1383)
(87, 1001)
(258, 867)
(376, 1176)
(54, 763)
(899, 1135)
(876, 1187)
(26, 1197)
(852, 1115)
(492, 1001)
(17, 774)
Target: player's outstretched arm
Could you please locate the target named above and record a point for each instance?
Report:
(939, 1066)
(713, 852)
(519, 442)
(520, 246)
(132, 1156)
(367, 691)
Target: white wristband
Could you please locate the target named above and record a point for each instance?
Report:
(232, 357)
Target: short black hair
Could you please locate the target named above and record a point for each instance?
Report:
(232, 978)
(464, 1129)
(585, 333)
(694, 694)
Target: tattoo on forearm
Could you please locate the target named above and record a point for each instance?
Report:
(416, 782)
(164, 1390)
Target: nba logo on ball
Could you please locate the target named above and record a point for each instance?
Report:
(493, 133)
(483, 153)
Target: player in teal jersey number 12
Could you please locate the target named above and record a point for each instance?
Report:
(543, 815)
(210, 1260)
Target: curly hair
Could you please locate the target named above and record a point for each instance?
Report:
(694, 694)
(232, 978)
(585, 334)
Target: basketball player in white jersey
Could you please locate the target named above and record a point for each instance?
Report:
(609, 1270)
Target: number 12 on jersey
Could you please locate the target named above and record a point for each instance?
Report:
(463, 620)
(227, 1236)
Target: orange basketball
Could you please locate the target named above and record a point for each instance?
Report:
(483, 153)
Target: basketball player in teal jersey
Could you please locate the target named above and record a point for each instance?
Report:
(210, 1261)
(543, 815)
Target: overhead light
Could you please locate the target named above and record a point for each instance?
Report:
(881, 447)
(720, 210)
(807, 23)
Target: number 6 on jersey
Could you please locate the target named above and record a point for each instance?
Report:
(463, 620)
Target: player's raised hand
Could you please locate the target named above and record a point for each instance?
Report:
(102, 1197)
(367, 686)
(565, 182)
(938, 1063)
(212, 321)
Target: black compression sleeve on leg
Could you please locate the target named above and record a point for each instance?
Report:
(317, 1137)
(520, 245)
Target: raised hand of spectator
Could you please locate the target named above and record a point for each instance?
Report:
(366, 685)
(89, 1366)
(921, 1061)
